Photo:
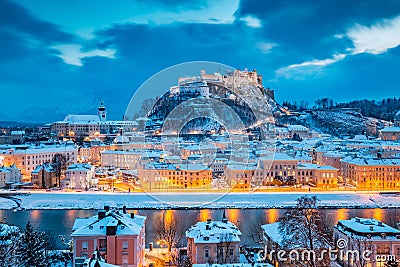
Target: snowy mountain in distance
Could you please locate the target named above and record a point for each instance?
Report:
(4, 117)
(85, 105)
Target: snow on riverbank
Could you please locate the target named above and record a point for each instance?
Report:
(52, 200)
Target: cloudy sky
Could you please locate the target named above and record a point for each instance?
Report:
(64, 56)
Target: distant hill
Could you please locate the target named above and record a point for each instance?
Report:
(338, 122)
(12, 124)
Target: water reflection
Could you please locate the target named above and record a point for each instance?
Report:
(204, 215)
(341, 214)
(272, 215)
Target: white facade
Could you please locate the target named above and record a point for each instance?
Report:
(90, 125)
(9, 176)
(300, 130)
(27, 158)
(219, 165)
(122, 159)
(80, 176)
(213, 242)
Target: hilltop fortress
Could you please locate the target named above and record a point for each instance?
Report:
(232, 80)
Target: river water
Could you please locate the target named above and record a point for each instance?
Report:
(60, 222)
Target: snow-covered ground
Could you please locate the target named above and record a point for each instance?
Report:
(95, 200)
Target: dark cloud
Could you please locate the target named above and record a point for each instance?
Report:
(179, 4)
(46, 88)
(308, 28)
(14, 17)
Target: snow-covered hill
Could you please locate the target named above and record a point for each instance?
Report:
(340, 122)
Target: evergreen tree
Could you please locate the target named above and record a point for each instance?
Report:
(9, 237)
(36, 249)
(30, 250)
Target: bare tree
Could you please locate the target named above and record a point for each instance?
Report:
(391, 218)
(302, 228)
(168, 232)
(223, 249)
(60, 165)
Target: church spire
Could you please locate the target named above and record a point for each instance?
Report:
(224, 219)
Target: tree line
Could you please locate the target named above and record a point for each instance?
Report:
(384, 109)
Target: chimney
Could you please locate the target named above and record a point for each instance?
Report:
(107, 208)
(132, 215)
(101, 214)
(124, 209)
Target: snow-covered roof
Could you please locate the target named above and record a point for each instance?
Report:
(172, 167)
(121, 139)
(197, 147)
(123, 152)
(281, 130)
(96, 226)
(303, 156)
(47, 167)
(277, 156)
(327, 168)
(214, 232)
(241, 167)
(193, 167)
(297, 128)
(391, 129)
(272, 230)
(129, 123)
(80, 167)
(307, 166)
(82, 119)
(360, 137)
(363, 227)
(41, 149)
(335, 154)
(17, 132)
(366, 161)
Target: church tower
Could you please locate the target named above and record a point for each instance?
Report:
(102, 112)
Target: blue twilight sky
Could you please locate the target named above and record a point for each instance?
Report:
(64, 56)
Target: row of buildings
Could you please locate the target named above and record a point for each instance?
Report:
(118, 238)
(311, 159)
